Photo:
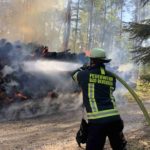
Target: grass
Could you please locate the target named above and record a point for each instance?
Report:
(142, 90)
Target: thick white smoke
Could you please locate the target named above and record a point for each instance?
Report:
(47, 106)
(123, 66)
(7, 70)
(45, 86)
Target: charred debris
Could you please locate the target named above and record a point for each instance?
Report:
(17, 86)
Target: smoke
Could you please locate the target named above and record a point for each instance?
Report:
(46, 106)
(123, 66)
(39, 80)
(33, 86)
(7, 70)
(32, 20)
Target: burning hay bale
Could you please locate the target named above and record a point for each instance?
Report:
(28, 92)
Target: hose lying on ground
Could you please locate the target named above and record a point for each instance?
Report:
(141, 105)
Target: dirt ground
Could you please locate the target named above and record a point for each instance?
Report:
(57, 131)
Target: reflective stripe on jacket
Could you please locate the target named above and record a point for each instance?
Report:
(97, 87)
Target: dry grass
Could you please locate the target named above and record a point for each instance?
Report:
(142, 90)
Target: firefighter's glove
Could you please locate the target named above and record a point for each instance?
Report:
(84, 67)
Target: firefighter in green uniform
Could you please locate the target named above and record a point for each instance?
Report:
(103, 117)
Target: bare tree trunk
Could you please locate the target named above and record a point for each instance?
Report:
(121, 15)
(91, 5)
(67, 26)
(137, 11)
(77, 22)
(104, 26)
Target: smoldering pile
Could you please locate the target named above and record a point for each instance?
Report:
(26, 94)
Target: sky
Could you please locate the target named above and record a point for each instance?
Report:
(128, 9)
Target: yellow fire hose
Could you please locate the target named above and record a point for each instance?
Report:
(141, 105)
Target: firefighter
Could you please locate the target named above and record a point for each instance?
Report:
(103, 117)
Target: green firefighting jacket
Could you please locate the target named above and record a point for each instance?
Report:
(97, 87)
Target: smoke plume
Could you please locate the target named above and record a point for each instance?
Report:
(32, 85)
(35, 83)
(32, 20)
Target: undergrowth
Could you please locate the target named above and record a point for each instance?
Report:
(142, 90)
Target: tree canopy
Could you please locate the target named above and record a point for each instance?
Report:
(140, 32)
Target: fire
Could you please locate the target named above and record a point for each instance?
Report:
(35, 81)
(87, 52)
(21, 96)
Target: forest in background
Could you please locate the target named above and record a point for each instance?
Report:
(121, 27)
(81, 25)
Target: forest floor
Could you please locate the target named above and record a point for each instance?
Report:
(57, 132)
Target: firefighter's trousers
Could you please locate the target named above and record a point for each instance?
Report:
(97, 134)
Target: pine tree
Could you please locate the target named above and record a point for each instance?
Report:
(145, 1)
(141, 33)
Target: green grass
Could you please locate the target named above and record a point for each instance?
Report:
(142, 90)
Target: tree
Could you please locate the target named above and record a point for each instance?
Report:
(95, 23)
(67, 26)
(145, 2)
(91, 6)
(141, 33)
(75, 18)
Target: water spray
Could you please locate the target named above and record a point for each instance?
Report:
(137, 99)
(48, 67)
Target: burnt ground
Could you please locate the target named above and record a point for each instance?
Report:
(57, 131)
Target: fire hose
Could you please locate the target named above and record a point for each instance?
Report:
(137, 99)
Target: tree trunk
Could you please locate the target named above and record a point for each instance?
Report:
(77, 22)
(67, 26)
(104, 26)
(91, 5)
(121, 15)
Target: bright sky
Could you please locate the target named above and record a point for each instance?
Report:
(128, 9)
